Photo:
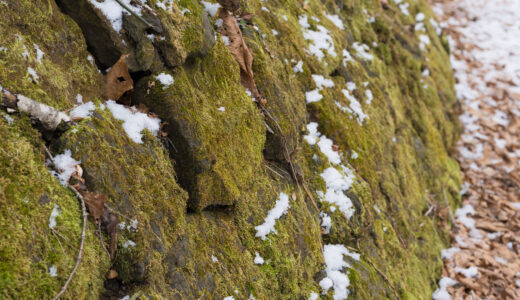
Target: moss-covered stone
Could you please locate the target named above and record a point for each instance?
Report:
(197, 201)
(29, 247)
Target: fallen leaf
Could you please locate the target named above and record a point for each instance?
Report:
(112, 274)
(95, 203)
(119, 84)
(241, 53)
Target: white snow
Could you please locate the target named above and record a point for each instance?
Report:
(468, 272)
(354, 107)
(326, 222)
(336, 20)
(325, 145)
(53, 271)
(79, 98)
(441, 293)
(314, 135)
(346, 57)
(211, 8)
(39, 53)
(320, 40)
(280, 209)
(258, 259)
(313, 96)
(362, 51)
(33, 74)
(129, 243)
(9, 119)
(335, 264)
(165, 79)
(83, 111)
(133, 121)
(370, 96)
(214, 258)
(222, 109)
(54, 213)
(298, 68)
(113, 11)
(229, 298)
(225, 39)
(66, 164)
(448, 253)
(337, 183)
(322, 81)
(404, 8)
(313, 296)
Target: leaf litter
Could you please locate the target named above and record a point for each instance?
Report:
(485, 56)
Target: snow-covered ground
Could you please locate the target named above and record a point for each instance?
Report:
(484, 261)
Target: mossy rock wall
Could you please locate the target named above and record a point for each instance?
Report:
(190, 205)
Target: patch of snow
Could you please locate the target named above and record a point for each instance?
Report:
(313, 96)
(362, 51)
(313, 296)
(225, 39)
(336, 20)
(280, 209)
(129, 243)
(346, 57)
(448, 253)
(222, 109)
(337, 183)
(165, 79)
(419, 17)
(211, 8)
(54, 213)
(53, 271)
(134, 122)
(370, 96)
(79, 98)
(326, 222)
(322, 81)
(214, 258)
(298, 68)
(33, 74)
(467, 272)
(113, 11)
(83, 111)
(354, 107)
(336, 277)
(424, 40)
(9, 119)
(39, 53)
(320, 40)
(229, 298)
(404, 8)
(441, 293)
(66, 164)
(258, 259)
(274, 32)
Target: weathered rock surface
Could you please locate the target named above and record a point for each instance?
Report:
(190, 205)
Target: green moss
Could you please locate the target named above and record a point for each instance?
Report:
(63, 71)
(28, 247)
(229, 166)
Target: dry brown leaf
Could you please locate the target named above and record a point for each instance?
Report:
(112, 274)
(95, 203)
(241, 53)
(118, 82)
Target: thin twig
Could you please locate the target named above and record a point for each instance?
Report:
(367, 259)
(117, 213)
(133, 13)
(83, 230)
(101, 239)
